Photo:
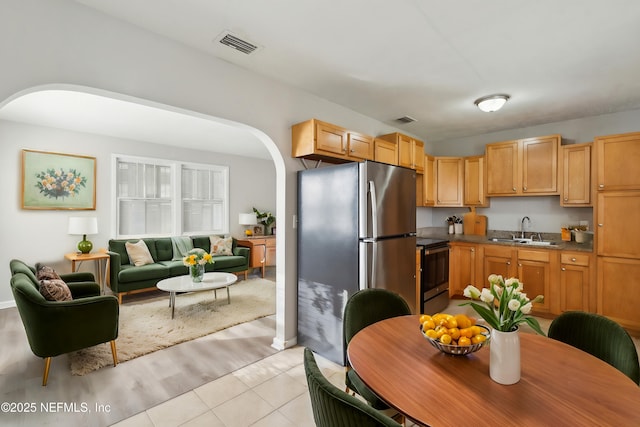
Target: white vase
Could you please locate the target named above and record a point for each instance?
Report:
(504, 357)
(458, 228)
(451, 229)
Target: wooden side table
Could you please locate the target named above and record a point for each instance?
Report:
(263, 251)
(96, 257)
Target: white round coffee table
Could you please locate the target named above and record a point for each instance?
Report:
(215, 280)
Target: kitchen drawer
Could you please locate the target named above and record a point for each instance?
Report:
(534, 255)
(574, 259)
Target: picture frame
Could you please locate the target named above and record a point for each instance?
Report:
(258, 230)
(58, 181)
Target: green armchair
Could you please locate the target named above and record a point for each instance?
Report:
(58, 327)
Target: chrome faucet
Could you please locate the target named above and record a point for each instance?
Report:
(522, 226)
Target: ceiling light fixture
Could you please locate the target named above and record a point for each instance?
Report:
(491, 103)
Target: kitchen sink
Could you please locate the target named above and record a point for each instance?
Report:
(520, 241)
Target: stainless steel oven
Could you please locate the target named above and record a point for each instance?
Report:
(434, 277)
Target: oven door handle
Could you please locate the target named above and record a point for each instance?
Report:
(436, 251)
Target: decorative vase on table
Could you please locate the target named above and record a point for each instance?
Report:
(504, 306)
(197, 272)
(504, 357)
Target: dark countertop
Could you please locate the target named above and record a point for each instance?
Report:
(441, 233)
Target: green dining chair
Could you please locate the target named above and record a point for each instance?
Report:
(600, 337)
(333, 407)
(365, 308)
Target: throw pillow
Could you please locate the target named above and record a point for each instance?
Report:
(55, 290)
(138, 253)
(44, 272)
(221, 245)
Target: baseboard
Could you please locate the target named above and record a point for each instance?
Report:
(278, 344)
(7, 304)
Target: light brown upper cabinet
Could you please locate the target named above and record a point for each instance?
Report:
(618, 162)
(475, 182)
(410, 150)
(449, 182)
(385, 151)
(576, 175)
(524, 167)
(318, 140)
(429, 181)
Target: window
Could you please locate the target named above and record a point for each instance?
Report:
(204, 198)
(162, 197)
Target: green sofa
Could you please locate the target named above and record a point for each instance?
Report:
(125, 278)
(57, 327)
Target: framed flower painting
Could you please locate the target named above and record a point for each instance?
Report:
(58, 181)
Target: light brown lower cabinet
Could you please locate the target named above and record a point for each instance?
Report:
(575, 282)
(462, 268)
(618, 295)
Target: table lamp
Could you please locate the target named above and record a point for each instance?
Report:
(82, 226)
(248, 220)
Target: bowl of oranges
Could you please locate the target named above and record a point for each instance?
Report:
(454, 334)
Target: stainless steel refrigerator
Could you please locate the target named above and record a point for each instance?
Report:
(356, 230)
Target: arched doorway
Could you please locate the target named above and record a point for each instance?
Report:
(83, 96)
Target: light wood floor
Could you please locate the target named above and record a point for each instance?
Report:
(128, 389)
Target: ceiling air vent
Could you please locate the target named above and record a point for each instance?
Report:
(235, 42)
(405, 119)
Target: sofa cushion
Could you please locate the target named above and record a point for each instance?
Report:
(224, 262)
(221, 245)
(164, 249)
(55, 290)
(176, 268)
(129, 273)
(138, 253)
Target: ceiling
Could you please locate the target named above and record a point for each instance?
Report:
(558, 60)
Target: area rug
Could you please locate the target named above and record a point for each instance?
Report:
(147, 327)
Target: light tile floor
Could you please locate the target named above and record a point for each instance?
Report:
(270, 392)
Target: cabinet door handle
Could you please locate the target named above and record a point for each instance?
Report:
(566, 199)
(525, 188)
(514, 189)
(508, 262)
(573, 260)
(563, 269)
(473, 250)
(519, 265)
(600, 225)
(601, 185)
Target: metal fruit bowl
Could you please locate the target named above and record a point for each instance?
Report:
(459, 350)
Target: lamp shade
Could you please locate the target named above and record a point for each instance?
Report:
(247, 219)
(82, 226)
(491, 103)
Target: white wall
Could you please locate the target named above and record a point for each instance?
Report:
(60, 42)
(41, 235)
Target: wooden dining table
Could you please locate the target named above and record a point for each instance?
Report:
(559, 386)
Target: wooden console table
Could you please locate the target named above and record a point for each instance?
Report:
(263, 251)
(97, 257)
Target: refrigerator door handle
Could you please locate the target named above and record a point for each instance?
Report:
(374, 268)
(374, 210)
